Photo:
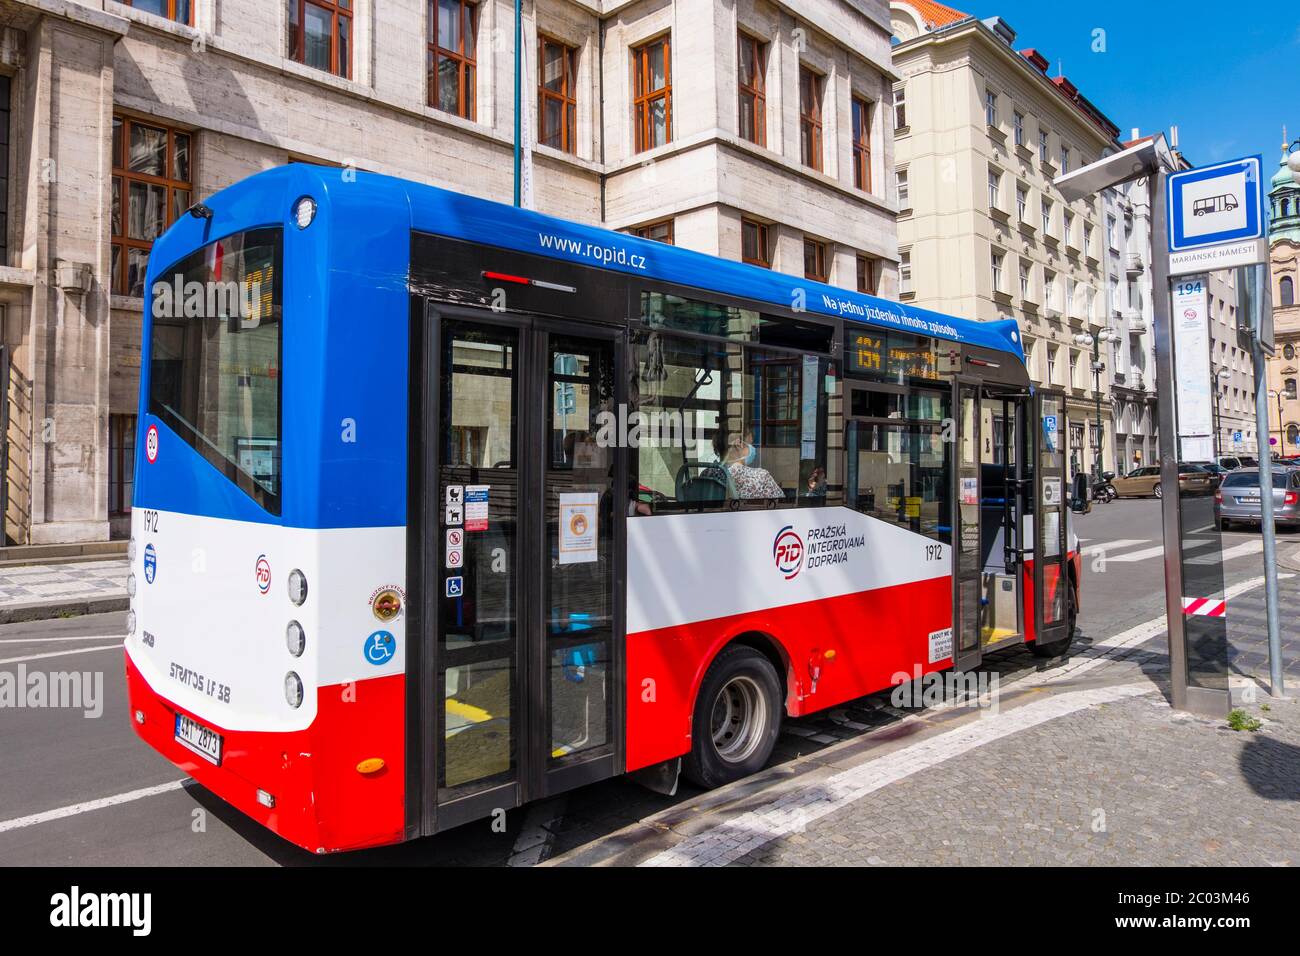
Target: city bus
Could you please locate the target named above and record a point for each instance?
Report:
(444, 506)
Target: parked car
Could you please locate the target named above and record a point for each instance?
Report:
(1214, 468)
(1146, 481)
(1238, 499)
(1228, 462)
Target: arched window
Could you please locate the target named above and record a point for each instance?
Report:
(1286, 290)
(1289, 387)
(1293, 434)
(1286, 208)
(1288, 352)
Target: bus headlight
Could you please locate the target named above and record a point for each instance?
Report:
(130, 622)
(297, 586)
(296, 638)
(130, 585)
(293, 689)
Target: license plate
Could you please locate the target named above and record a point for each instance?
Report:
(1248, 500)
(202, 740)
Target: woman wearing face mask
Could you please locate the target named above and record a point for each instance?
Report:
(749, 480)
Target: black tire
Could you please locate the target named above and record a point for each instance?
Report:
(1061, 647)
(1157, 491)
(737, 718)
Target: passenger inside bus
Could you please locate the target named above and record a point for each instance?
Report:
(750, 480)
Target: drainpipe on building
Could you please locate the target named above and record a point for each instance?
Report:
(519, 116)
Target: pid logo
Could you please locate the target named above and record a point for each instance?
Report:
(263, 572)
(787, 552)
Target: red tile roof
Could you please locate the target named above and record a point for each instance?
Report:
(936, 14)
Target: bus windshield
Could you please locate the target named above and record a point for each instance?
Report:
(214, 373)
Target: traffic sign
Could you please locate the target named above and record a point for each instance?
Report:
(1216, 216)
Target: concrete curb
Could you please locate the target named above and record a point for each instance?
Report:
(1288, 559)
(62, 607)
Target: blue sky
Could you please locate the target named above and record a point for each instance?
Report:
(1227, 74)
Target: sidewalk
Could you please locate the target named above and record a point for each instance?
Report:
(38, 591)
(1083, 764)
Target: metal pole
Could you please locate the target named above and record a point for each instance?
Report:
(1096, 386)
(519, 97)
(1266, 494)
(1168, 446)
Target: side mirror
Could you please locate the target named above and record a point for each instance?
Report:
(1081, 494)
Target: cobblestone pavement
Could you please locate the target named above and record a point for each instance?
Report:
(74, 580)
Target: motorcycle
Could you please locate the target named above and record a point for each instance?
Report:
(1103, 490)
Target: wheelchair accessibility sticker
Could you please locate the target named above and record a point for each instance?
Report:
(380, 647)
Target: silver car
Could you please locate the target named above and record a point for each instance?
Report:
(1238, 499)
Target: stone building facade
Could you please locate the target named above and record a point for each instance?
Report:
(1284, 271)
(744, 128)
(981, 132)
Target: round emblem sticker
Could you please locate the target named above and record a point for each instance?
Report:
(151, 444)
(787, 552)
(263, 574)
(150, 563)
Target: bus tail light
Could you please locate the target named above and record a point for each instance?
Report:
(297, 586)
(293, 689)
(295, 638)
(371, 765)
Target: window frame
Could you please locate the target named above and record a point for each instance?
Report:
(900, 107)
(124, 428)
(748, 46)
(820, 249)
(464, 61)
(170, 15)
(764, 241)
(121, 173)
(643, 97)
(643, 231)
(566, 96)
(810, 118)
(861, 142)
(866, 273)
(299, 36)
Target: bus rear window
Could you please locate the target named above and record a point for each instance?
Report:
(214, 372)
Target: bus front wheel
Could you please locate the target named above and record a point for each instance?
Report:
(1059, 648)
(737, 718)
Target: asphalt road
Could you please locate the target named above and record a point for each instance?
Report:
(52, 759)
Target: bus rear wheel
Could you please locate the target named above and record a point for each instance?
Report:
(737, 718)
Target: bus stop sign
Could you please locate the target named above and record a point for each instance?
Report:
(1216, 217)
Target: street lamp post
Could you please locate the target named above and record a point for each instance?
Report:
(1281, 436)
(1095, 339)
(1220, 385)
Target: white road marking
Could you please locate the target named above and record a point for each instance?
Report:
(46, 640)
(79, 650)
(1113, 545)
(1154, 552)
(89, 806)
(793, 811)
(1240, 551)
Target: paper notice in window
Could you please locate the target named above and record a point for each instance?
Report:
(578, 527)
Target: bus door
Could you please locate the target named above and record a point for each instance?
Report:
(1050, 490)
(522, 559)
(1003, 507)
(967, 565)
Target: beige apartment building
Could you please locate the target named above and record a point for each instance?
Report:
(1284, 265)
(981, 131)
(745, 128)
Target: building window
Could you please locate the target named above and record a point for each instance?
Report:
(900, 184)
(121, 463)
(1049, 288)
(753, 243)
(810, 118)
(814, 260)
(653, 108)
(1051, 364)
(1022, 202)
(996, 260)
(861, 144)
(753, 96)
(1024, 279)
(1289, 387)
(900, 108)
(867, 275)
(1047, 216)
(905, 273)
(1019, 123)
(152, 186)
(320, 34)
(1042, 146)
(991, 108)
(180, 11)
(1067, 225)
(1286, 285)
(1074, 368)
(658, 231)
(557, 95)
(1087, 238)
(995, 187)
(452, 64)
(1065, 158)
